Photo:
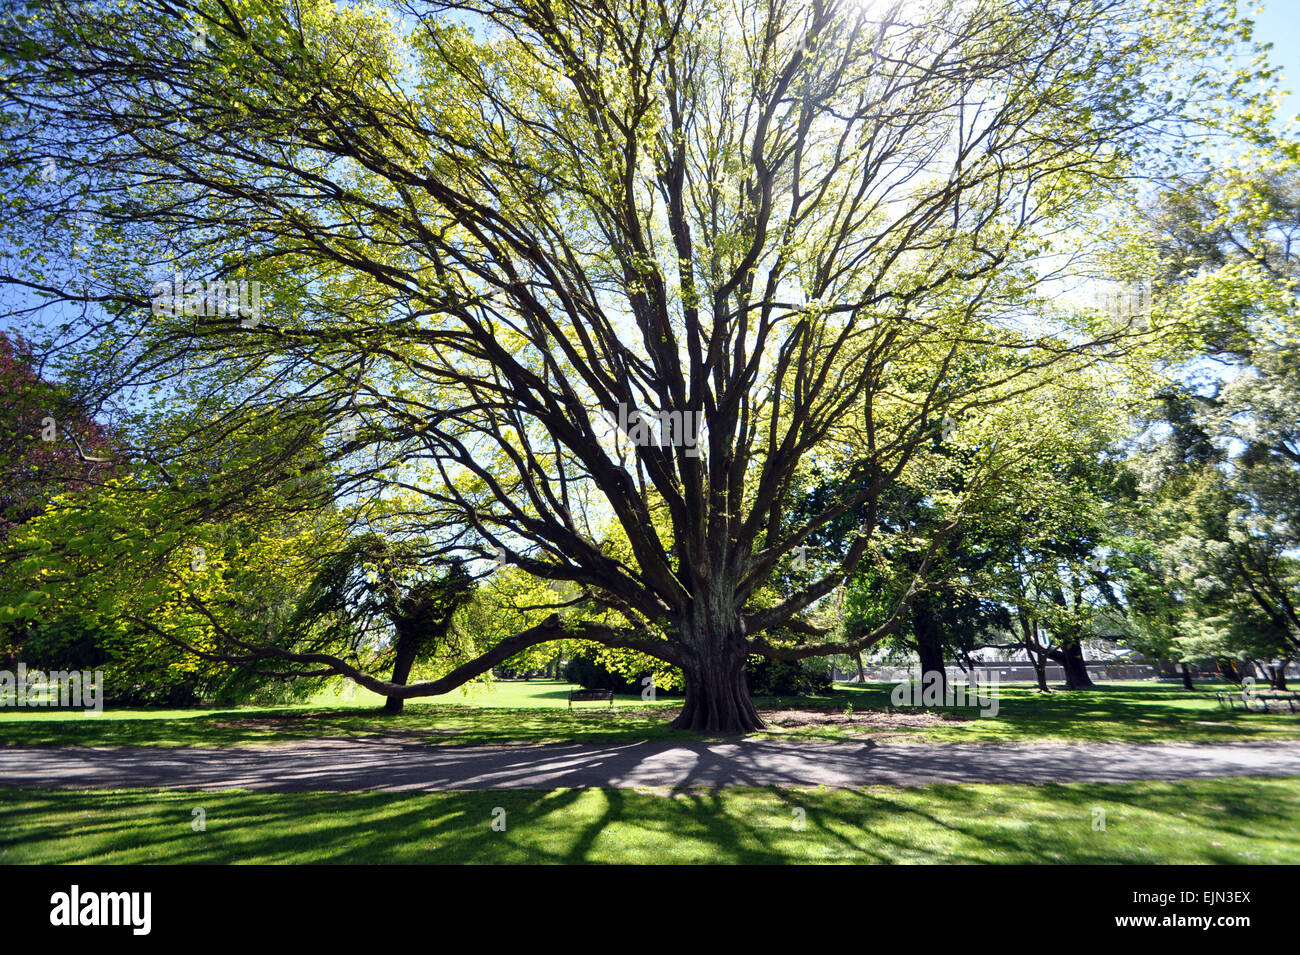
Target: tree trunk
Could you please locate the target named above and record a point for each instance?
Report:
(717, 693)
(1029, 640)
(1277, 677)
(1040, 671)
(717, 700)
(929, 645)
(1228, 670)
(407, 648)
(862, 673)
(1076, 671)
(1187, 678)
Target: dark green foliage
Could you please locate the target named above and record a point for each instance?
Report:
(789, 678)
(592, 675)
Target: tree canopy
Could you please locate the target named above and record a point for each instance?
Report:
(596, 287)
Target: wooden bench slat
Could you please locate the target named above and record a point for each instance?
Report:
(586, 695)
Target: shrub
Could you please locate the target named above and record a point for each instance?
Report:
(810, 677)
(593, 675)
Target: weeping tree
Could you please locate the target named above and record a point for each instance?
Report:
(385, 593)
(562, 273)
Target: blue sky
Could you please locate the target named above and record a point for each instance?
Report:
(1279, 23)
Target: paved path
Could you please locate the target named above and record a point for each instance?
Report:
(393, 765)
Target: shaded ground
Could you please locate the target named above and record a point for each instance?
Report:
(537, 712)
(396, 765)
(1211, 821)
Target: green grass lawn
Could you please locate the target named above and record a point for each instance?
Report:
(537, 712)
(1124, 712)
(1199, 821)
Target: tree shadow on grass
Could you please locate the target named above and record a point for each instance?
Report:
(1213, 821)
(1128, 712)
(1131, 713)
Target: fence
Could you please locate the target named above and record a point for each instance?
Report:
(1099, 671)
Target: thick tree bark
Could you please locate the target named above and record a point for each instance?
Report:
(717, 693)
(1076, 671)
(1187, 678)
(1040, 671)
(929, 645)
(717, 699)
(407, 648)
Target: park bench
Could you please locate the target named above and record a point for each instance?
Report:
(1283, 700)
(583, 696)
(1279, 699)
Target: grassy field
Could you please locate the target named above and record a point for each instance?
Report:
(1196, 821)
(1201, 821)
(536, 712)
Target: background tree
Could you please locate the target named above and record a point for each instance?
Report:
(1216, 575)
(384, 593)
(49, 445)
(171, 608)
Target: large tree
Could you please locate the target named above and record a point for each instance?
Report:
(491, 235)
(1214, 571)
